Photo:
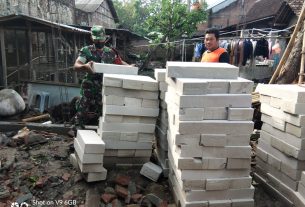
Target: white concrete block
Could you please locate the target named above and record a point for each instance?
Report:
(125, 152)
(213, 140)
(240, 114)
(220, 203)
(143, 153)
(241, 86)
(276, 102)
(113, 100)
(235, 163)
(207, 174)
(128, 119)
(286, 137)
(238, 151)
(90, 141)
(215, 113)
(127, 127)
(211, 100)
(130, 111)
(133, 102)
(114, 69)
(125, 161)
(141, 83)
(262, 154)
(112, 81)
(291, 162)
(163, 104)
(129, 93)
(243, 202)
(287, 92)
(201, 70)
(151, 171)
(283, 146)
(295, 130)
(163, 86)
(87, 158)
(148, 103)
(160, 74)
(215, 127)
(86, 168)
(197, 163)
(298, 120)
(93, 177)
(301, 189)
(265, 99)
(293, 108)
(274, 122)
(303, 177)
(127, 145)
(135, 82)
(217, 184)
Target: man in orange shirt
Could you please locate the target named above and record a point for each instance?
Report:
(214, 53)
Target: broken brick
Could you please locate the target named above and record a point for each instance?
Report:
(66, 176)
(163, 204)
(108, 198)
(121, 191)
(41, 182)
(116, 203)
(2, 204)
(136, 197)
(122, 180)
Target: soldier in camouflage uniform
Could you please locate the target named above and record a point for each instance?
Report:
(90, 105)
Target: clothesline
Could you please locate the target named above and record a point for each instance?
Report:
(235, 37)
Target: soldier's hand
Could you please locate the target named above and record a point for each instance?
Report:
(90, 67)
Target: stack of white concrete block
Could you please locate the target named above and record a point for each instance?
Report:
(161, 150)
(89, 154)
(281, 147)
(209, 112)
(130, 110)
(301, 188)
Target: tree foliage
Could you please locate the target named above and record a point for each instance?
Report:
(168, 17)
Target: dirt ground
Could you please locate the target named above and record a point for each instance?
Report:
(40, 172)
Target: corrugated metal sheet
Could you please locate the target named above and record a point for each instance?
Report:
(88, 5)
(219, 5)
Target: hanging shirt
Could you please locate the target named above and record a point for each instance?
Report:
(262, 48)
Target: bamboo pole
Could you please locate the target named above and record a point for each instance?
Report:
(36, 118)
(289, 46)
(301, 74)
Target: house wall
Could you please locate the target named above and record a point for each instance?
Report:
(61, 11)
(102, 16)
(229, 15)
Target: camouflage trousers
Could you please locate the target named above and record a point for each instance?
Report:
(90, 106)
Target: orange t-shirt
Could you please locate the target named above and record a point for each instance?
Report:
(212, 56)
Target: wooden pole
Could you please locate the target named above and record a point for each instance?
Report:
(36, 118)
(301, 74)
(289, 46)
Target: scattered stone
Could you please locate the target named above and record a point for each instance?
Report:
(24, 189)
(34, 138)
(68, 195)
(4, 194)
(41, 182)
(121, 191)
(92, 198)
(109, 190)
(122, 180)
(133, 205)
(108, 198)
(66, 176)
(132, 187)
(77, 177)
(11, 102)
(24, 198)
(153, 199)
(116, 203)
(136, 197)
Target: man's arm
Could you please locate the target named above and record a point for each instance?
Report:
(84, 67)
(224, 58)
